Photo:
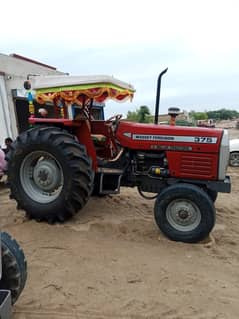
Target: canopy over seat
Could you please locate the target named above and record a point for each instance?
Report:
(80, 90)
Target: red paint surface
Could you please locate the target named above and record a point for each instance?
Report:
(198, 160)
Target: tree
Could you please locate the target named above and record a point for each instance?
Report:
(198, 115)
(141, 115)
(132, 116)
(144, 113)
(223, 114)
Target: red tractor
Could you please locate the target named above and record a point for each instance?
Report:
(54, 167)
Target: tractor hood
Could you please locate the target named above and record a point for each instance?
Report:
(168, 138)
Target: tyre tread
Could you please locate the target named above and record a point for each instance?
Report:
(79, 170)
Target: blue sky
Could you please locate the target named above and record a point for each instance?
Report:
(134, 41)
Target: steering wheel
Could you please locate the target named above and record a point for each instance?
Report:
(114, 118)
(113, 121)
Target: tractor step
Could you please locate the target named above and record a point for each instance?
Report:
(107, 170)
(109, 180)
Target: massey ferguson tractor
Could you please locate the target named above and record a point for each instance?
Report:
(66, 155)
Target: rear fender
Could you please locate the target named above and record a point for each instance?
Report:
(82, 132)
(81, 129)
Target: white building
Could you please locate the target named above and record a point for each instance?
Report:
(14, 70)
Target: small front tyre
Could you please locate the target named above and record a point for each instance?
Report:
(184, 212)
(14, 266)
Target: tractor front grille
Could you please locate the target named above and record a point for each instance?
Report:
(198, 165)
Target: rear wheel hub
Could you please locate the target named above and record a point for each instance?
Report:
(41, 177)
(46, 175)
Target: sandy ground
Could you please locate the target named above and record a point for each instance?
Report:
(111, 261)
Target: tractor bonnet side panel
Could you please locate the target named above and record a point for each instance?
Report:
(191, 152)
(193, 165)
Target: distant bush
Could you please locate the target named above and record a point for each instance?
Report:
(198, 115)
(222, 114)
(184, 123)
(141, 115)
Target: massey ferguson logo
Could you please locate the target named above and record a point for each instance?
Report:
(153, 137)
(170, 138)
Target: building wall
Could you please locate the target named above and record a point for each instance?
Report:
(5, 125)
(14, 72)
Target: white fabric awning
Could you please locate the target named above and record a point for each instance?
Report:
(42, 82)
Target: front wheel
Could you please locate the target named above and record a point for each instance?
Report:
(212, 194)
(184, 212)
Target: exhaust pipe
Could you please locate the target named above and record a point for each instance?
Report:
(158, 96)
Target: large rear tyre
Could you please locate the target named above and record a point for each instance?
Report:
(184, 212)
(14, 267)
(49, 174)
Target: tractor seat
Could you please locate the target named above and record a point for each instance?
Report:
(98, 139)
